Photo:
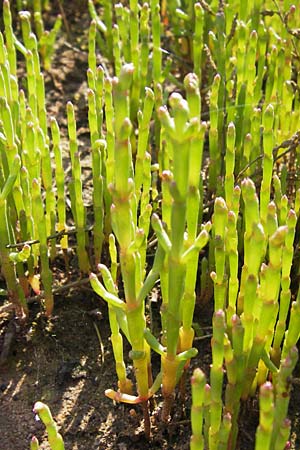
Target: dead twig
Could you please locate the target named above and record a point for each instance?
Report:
(56, 236)
(55, 291)
(289, 144)
(100, 342)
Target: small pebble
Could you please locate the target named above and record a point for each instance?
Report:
(3, 387)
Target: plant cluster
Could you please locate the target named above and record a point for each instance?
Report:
(195, 153)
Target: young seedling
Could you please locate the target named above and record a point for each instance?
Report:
(54, 438)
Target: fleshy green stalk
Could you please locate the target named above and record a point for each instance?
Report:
(34, 443)
(216, 378)
(15, 292)
(40, 221)
(198, 388)
(78, 208)
(60, 182)
(266, 417)
(54, 438)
